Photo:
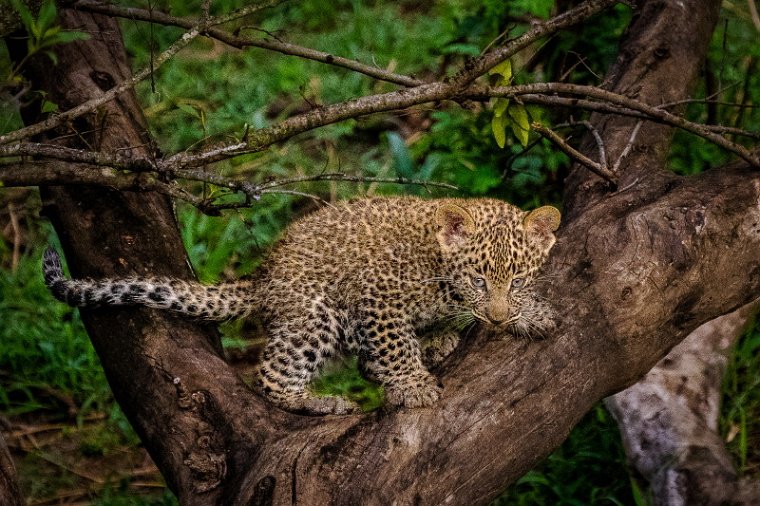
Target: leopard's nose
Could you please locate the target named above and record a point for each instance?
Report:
(498, 313)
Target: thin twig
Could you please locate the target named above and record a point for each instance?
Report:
(587, 162)
(356, 179)
(753, 14)
(627, 148)
(599, 142)
(16, 237)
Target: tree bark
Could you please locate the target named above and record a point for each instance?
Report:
(634, 272)
(669, 420)
(110, 233)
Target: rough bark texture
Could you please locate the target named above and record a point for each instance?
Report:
(106, 233)
(669, 420)
(634, 272)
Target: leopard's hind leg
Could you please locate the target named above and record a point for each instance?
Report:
(295, 352)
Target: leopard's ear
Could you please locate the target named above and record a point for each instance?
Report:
(455, 225)
(540, 224)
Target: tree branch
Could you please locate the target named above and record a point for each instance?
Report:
(540, 93)
(36, 173)
(669, 420)
(595, 167)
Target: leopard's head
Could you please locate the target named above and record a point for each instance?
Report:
(494, 253)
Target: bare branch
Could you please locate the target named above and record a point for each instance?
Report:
(54, 173)
(650, 112)
(538, 93)
(62, 153)
(599, 142)
(597, 168)
(541, 93)
(627, 148)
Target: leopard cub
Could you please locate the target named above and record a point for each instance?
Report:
(389, 279)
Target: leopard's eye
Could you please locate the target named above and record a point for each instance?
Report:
(518, 283)
(478, 282)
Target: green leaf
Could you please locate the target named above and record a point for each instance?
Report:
(500, 106)
(520, 123)
(53, 57)
(50, 33)
(498, 127)
(402, 158)
(26, 16)
(48, 106)
(71, 36)
(188, 109)
(36, 32)
(46, 17)
(504, 69)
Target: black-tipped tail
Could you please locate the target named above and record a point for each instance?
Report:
(53, 273)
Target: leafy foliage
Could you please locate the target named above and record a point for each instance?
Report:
(42, 30)
(589, 468)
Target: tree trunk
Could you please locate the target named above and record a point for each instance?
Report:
(669, 420)
(634, 272)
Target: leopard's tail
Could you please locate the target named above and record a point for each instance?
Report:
(217, 302)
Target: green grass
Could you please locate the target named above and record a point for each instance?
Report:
(740, 416)
(589, 468)
(46, 355)
(343, 378)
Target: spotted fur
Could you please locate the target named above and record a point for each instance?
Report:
(388, 279)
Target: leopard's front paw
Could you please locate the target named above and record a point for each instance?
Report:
(438, 347)
(414, 392)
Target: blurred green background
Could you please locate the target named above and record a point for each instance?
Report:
(71, 442)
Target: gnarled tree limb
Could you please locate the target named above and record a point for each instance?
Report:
(669, 420)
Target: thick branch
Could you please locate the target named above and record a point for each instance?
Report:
(665, 47)
(117, 233)
(669, 420)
